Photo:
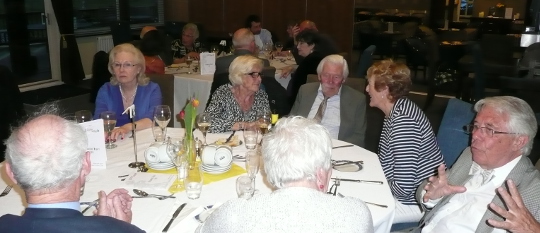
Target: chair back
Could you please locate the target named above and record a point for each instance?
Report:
(121, 33)
(366, 60)
(219, 80)
(532, 53)
(527, 89)
(12, 106)
(100, 73)
(277, 96)
(452, 139)
(479, 72)
(166, 85)
(358, 84)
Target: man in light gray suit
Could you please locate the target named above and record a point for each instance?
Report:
(502, 137)
(244, 43)
(344, 113)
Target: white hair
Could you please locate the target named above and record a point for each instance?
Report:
(242, 65)
(47, 152)
(521, 118)
(193, 27)
(242, 38)
(334, 59)
(295, 150)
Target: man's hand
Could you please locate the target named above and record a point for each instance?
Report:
(286, 71)
(295, 30)
(116, 205)
(438, 186)
(194, 55)
(518, 218)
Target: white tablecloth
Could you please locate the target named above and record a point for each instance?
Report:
(189, 85)
(152, 215)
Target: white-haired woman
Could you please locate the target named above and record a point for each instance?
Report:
(233, 106)
(296, 157)
(128, 86)
(188, 45)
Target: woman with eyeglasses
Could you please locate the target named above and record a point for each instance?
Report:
(234, 106)
(128, 85)
(408, 149)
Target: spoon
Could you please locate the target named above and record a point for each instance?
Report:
(141, 193)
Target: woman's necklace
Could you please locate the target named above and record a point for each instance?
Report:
(128, 101)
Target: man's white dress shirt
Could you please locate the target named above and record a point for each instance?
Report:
(331, 119)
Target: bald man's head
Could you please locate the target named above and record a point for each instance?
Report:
(307, 24)
(243, 39)
(146, 29)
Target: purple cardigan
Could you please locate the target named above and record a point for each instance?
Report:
(110, 99)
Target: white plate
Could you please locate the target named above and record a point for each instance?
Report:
(216, 168)
(216, 172)
(160, 167)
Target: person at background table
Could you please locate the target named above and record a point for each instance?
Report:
(472, 196)
(345, 113)
(327, 43)
(51, 167)
(262, 36)
(235, 106)
(296, 156)
(408, 149)
(309, 48)
(164, 51)
(244, 44)
(151, 45)
(188, 45)
(289, 43)
(129, 85)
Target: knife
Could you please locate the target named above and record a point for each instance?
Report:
(230, 137)
(360, 181)
(335, 147)
(173, 217)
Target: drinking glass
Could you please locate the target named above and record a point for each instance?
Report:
(109, 122)
(214, 49)
(267, 50)
(250, 137)
(264, 119)
(189, 60)
(176, 152)
(193, 182)
(204, 121)
(252, 163)
(83, 116)
(245, 187)
(279, 47)
(162, 116)
(289, 55)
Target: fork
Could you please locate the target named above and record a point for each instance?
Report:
(6, 191)
(371, 203)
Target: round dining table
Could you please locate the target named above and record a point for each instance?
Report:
(151, 214)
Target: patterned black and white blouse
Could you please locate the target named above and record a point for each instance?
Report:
(226, 111)
(408, 150)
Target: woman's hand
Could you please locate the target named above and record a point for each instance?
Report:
(286, 71)
(121, 132)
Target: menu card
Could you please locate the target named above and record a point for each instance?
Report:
(208, 63)
(96, 143)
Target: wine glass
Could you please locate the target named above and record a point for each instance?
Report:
(109, 122)
(264, 121)
(83, 116)
(289, 55)
(189, 60)
(214, 49)
(279, 47)
(203, 122)
(162, 116)
(267, 50)
(252, 163)
(177, 154)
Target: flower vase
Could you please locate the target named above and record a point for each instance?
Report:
(189, 148)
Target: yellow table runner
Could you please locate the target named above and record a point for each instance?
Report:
(207, 178)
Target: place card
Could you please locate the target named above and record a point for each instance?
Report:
(207, 63)
(96, 143)
(157, 181)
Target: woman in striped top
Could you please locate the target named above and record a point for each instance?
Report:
(408, 150)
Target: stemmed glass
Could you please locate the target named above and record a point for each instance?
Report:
(177, 154)
(204, 121)
(252, 163)
(214, 49)
(289, 55)
(83, 116)
(109, 122)
(264, 121)
(279, 47)
(162, 116)
(189, 60)
(267, 50)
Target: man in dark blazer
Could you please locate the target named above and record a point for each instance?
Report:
(345, 112)
(244, 43)
(47, 157)
(467, 197)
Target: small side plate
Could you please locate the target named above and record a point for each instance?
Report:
(348, 167)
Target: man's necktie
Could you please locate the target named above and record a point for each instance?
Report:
(320, 112)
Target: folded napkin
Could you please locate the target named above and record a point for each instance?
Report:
(190, 223)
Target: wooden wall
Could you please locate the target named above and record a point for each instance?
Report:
(333, 17)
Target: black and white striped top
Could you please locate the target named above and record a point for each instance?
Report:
(408, 150)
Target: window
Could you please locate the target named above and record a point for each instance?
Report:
(96, 16)
(466, 8)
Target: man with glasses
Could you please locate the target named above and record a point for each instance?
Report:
(472, 196)
(341, 109)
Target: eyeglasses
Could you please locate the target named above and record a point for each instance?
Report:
(254, 74)
(484, 130)
(126, 65)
